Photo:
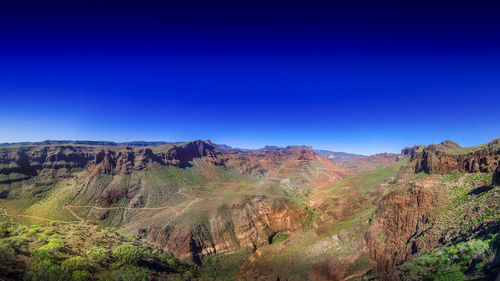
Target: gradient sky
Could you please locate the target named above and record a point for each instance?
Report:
(367, 78)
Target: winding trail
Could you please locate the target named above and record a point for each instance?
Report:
(195, 199)
(74, 214)
(82, 220)
(45, 219)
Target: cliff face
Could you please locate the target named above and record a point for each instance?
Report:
(426, 212)
(31, 160)
(448, 157)
(115, 160)
(399, 217)
(247, 226)
(98, 159)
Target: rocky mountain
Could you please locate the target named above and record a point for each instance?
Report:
(444, 204)
(274, 213)
(154, 191)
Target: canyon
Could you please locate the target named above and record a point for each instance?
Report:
(275, 213)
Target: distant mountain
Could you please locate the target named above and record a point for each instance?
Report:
(101, 143)
(336, 156)
(227, 147)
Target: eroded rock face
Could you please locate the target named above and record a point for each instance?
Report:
(446, 158)
(30, 160)
(181, 155)
(400, 216)
(96, 159)
(244, 226)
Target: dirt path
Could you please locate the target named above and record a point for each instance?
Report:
(195, 199)
(117, 208)
(45, 219)
(37, 217)
(74, 214)
(81, 220)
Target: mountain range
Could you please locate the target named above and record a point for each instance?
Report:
(200, 211)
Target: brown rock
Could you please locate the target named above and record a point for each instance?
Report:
(444, 158)
(496, 176)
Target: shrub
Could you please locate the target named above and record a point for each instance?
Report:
(57, 235)
(42, 238)
(187, 275)
(128, 253)
(54, 245)
(453, 274)
(130, 273)
(5, 229)
(495, 241)
(169, 259)
(7, 253)
(45, 270)
(450, 263)
(21, 228)
(75, 263)
(16, 242)
(41, 254)
(98, 255)
(80, 275)
(48, 232)
(33, 230)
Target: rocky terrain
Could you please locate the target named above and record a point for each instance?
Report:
(448, 157)
(121, 186)
(445, 195)
(273, 213)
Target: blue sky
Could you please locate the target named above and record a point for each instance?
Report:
(365, 79)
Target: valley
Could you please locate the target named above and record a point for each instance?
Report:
(218, 213)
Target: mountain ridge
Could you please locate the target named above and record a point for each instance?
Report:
(283, 213)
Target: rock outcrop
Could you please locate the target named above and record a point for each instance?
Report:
(181, 155)
(448, 157)
(99, 159)
(399, 217)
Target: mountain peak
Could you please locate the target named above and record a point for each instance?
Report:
(449, 143)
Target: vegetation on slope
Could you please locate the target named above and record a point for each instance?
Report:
(55, 251)
(467, 228)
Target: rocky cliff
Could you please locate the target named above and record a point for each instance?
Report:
(428, 211)
(99, 159)
(400, 215)
(448, 157)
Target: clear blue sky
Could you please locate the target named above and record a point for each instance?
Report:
(367, 78)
